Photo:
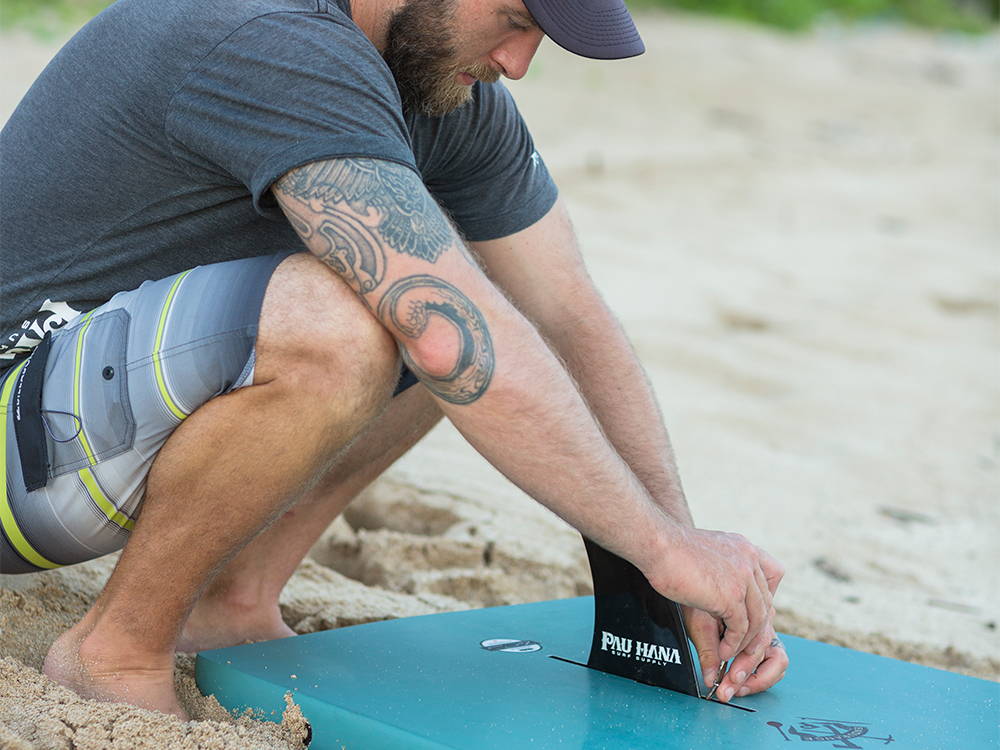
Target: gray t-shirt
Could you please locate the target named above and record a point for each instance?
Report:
(149, 144)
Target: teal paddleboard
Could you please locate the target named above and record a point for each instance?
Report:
(513, 677)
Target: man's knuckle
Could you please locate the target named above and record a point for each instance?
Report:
(736, 590)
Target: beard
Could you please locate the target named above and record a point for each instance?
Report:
(421, 54)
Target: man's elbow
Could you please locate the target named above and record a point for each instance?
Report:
(456, 365)
(438, 355)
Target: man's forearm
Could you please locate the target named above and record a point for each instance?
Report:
(600, 358)
(543, 272)
(535, 427)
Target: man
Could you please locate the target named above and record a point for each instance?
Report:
(241, 393)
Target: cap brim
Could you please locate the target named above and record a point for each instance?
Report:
(600, 29)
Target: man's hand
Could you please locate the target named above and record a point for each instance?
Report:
(749, 673)
(732, 583)
(760, 664)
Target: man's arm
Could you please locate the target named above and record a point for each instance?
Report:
(543, 272)
(375, 224)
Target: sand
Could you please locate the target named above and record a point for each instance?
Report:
(801, 237)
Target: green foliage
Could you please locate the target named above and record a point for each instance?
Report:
(47, 17)
(54, 16)
(796, 15)
(785, 14)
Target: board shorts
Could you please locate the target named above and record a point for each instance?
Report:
(84, 416)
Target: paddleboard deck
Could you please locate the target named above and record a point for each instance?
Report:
(514, 677)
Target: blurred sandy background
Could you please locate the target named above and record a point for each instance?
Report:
(801, 235)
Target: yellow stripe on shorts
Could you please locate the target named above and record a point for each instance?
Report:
(7, 521)
(101, 500)
(77, 368)
(161, 382)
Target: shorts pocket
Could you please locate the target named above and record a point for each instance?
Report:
(85, 400)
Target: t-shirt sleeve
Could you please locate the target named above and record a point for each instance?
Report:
(280, 91)
(481, 165)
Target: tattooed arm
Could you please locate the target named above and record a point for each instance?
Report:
(374, 223)
(542, 271)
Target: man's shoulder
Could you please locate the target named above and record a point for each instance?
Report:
(193, 29)
(157, 16)
(333, 17)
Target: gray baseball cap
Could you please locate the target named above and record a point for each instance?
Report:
(602, 29)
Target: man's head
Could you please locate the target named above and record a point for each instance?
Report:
(437, 49)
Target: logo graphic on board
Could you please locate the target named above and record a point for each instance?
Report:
(844, 734)
(510, 645)
(650, 653)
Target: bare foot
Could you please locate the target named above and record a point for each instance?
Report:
(107, 674)
(213, 624)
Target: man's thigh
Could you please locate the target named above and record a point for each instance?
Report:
(117, 382)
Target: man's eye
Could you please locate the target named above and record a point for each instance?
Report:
(516, 26)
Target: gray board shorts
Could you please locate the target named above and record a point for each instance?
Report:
(109, 389)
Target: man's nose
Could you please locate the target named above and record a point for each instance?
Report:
(514, 55)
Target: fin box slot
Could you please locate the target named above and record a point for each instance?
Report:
(710, 700)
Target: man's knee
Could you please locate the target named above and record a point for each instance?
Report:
(316, 334)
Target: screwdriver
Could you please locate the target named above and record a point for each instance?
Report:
(723, 669)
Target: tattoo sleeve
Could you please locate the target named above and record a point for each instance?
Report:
(352, 213)
(410, 221)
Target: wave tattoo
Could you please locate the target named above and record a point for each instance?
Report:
(409, 305)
